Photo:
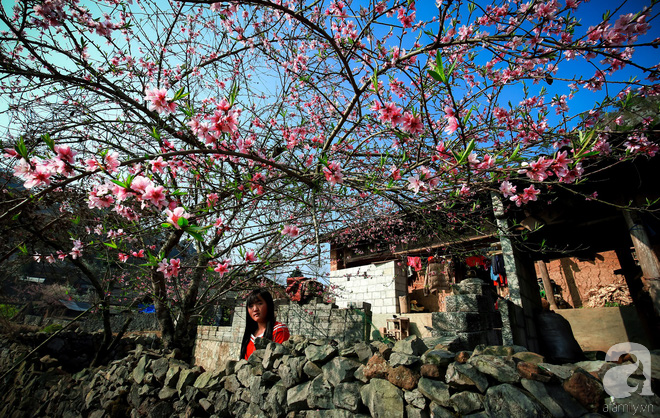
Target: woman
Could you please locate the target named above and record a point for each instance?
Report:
(260, 322)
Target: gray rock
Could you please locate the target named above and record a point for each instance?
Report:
(273, 352)
(320, 354)
(186, 378)
(311, 369)
(257, 390)
(401, 359)
(232, 384)
(591, 366)
(238, 408)
(438, 357)
(363, 351)
(166, 393)
(467, 303)
(172, 375)
(412, 345)
(434, 390)
(347, 396)
(412, 412)
(140, 369)
(507, 401)
(159, 368)
(161, 409)
(340, 369)
(467, 402)
(254, 411)
(466, 375)
(275, 404)
(415, 398)
(383, 399)
(291, 372)
(320, 394)
(244, 375)
(438, 411)
(561, 371)
(296, 397)
(221, 401)
(501, 368)
(359, 375)
(203, 380)
(554, 398)
(330, 413)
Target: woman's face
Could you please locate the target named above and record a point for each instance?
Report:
(258, 310)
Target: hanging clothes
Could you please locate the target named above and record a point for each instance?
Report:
(439, 275)
(497, 262)
(477, 260)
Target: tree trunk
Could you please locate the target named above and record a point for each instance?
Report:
(647, 258)
(547, 285)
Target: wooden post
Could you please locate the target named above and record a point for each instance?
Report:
(647, 258)
(545, 277)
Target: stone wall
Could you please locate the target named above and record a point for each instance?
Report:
(377, 284)
(214, 346)
(314, 378)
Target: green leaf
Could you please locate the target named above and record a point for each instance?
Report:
(182, 222)
(165, 225)
(23, 248)
(111, 244)
(195, 235)
(49, 141)
(119, 183)
(436, 76)
(155, 134)
(515, 153)
(179, 95)
(467, 152)
(21, 149)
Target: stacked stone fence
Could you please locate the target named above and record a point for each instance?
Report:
(312, 378)
(215, 346)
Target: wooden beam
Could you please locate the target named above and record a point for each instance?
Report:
(647, 258)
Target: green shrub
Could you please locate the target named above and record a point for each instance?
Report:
(52, 328)
(8, 311)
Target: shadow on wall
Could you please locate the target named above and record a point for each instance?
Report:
(568, 267)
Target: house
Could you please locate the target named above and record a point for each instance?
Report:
(586, 236)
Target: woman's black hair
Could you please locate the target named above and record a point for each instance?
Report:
(251, 325)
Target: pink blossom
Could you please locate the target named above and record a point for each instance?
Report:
(416, 184)
(159, 101)
(122, 257)
(111, 160)
(395, 173)
(529, 194)
(222, 268)
(333, 173)
(156, 195)
(412, 124)
(65, 154)
(390, 112)
(452, 125)
(291, 230)
(250, 257)
(158, 165)
(507, 189)
(174, 216)
(40, 176)
(169, 269)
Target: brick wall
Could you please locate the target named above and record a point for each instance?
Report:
(216, 345)
(577, 277)
(377, 284)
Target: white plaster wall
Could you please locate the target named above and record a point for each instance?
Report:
(378, 284)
